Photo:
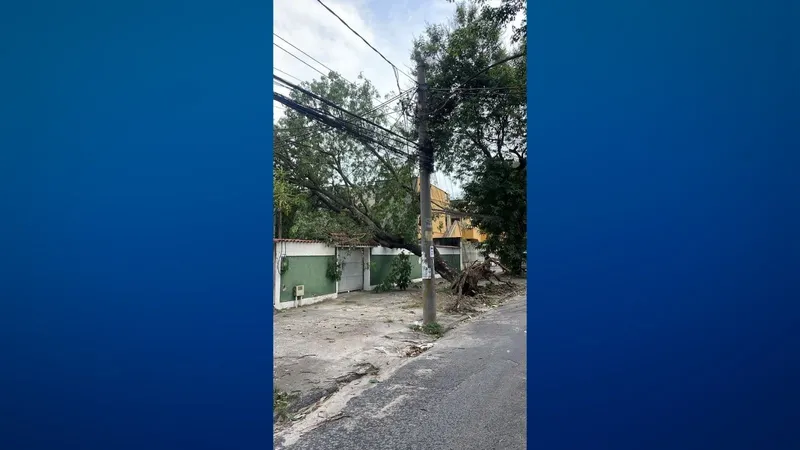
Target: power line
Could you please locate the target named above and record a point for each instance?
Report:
(474, 76)
(341, 122)
(312, 58)
(502, 88)
(337, 107)
(365, 41)
(368, 112)
(387, 102)
(308, 130)
(287, 74)
(311, 130)
(382, 105)
(301, 51)
(298, 58)
(502, 61)
(336, 123)
(396, 97)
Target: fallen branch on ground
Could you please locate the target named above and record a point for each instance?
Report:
(466, 283)
(468, 290)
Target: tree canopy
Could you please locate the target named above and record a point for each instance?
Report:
(330, 182)
(355, 188)
(479, 117)
(476, 115)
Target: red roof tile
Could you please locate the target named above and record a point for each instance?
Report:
(298, 241)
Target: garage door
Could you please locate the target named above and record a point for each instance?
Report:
(352, 269)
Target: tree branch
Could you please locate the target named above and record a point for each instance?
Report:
(353, 189)
(481, 146)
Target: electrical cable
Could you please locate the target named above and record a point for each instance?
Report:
(336, 123)
(390, 100)
(365, 41)
(476, 75)
(401, 141)
(312, 58)
(335, 106)
(287, 74)
(299, 59)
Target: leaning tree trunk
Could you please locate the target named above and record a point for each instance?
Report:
(439, 265)
(442, 268)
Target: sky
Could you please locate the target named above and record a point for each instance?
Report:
(389, 26)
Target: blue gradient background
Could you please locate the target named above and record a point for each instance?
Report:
(136, 218)
(135, 225)
(664, 221)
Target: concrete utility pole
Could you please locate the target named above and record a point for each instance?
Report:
(425, 169)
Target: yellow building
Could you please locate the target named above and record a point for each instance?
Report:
(447, 223)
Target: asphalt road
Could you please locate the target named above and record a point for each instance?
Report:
(466, 393)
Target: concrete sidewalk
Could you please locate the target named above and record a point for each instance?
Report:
(320, 348)
(465, 393)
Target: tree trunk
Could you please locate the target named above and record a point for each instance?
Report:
(280, 225)
(442, 268)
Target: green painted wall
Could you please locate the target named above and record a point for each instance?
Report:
(310, 272)
(454, 261)
(416, 267)
(382, 264)
(379, 268)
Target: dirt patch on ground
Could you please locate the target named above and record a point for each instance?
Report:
(352, 339)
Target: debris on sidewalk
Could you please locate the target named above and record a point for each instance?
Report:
(362, 369)
(475, 286)
(468, 280)
(280, 404)
(340, 346)
(417, 349)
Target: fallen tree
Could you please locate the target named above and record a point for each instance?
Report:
(355, 188)
(468, 281)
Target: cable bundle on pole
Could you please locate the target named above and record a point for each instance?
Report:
(339, 124)
(395, 137)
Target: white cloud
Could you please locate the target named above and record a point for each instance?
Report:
(389, 26)
(310, 27)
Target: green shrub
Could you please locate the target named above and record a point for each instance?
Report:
(284, 265)
(334, 271)
(401, 271)
(399, 274)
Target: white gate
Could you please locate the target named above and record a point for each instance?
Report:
(352, 260)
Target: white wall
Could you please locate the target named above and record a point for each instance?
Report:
(397, 251)
(304, 249)
(389, 251)
(449, 250)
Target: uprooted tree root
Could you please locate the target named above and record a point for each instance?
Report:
(468, 290)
